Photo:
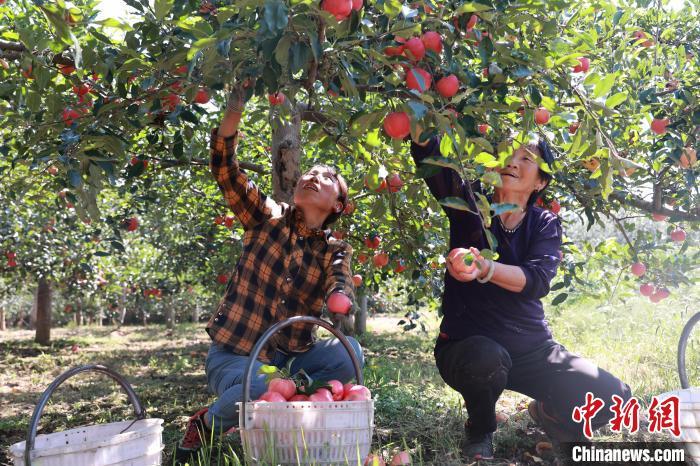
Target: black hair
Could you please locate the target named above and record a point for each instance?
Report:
(547, 155)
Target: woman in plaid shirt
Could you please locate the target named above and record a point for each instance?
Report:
(290, 265)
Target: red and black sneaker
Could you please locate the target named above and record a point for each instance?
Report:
(196, 436)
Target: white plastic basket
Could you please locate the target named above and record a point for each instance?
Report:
(305, 432)
(689, 411)
(126, 443)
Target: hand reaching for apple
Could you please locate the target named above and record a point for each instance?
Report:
(237, 97)
(466, 265)
(338, 303)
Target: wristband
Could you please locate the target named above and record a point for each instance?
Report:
(489, 275)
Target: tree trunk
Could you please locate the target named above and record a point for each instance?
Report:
(43, 312)
(122, 304)
(32, 313)
(286, 156)
(2, 319)
(195, 313)
(79, 312)
(361, 315)
(170, 314)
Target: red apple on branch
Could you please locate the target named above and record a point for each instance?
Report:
(658, 125)
(678, 235)
(448, 86)
(339, 8)
(583, 65)
(397, 125)
(414, 49)
(202, 96)
(541, 116)
(638, 269)
(418, 79)
(432, 41)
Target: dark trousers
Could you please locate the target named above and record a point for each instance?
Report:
(480, 369)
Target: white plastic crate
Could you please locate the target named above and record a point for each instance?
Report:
(305, 432)
(126, 443)
(689, 423)
(97, 445)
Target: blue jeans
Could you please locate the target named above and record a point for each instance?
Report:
(326, 360)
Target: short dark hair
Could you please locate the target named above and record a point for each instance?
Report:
(546, 153)
(342, 192)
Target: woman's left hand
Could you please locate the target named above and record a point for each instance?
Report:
(463, 272)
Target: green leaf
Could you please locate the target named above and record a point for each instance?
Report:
(392, 7)
(487, 160)
(267, 369)
(604, 85)
(446, 146)
(418, 109)
(425, 170)
(282, 50)
(560, 298)
(162, 8)
(472, 7)
(74, 178)
(114, 23)
(504, 207)
(442, 162)
(492, 178)
(201, 44)
(456, 203)
(276, 16)
(615, 99)
(493, 242)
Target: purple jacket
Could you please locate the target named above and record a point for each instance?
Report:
(515, 320)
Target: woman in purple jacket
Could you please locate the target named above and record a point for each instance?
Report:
(493, 335)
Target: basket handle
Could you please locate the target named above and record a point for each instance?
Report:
(276, 328)
(139, 412)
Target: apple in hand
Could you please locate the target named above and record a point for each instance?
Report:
(338, 303)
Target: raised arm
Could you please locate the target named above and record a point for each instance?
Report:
(247, 202)
(446, 182)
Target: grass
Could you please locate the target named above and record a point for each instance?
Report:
(414, 409)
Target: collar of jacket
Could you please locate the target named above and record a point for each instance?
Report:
(303, 230)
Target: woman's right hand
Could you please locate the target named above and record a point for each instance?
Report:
(234, 109)
(460, 270)
(236, 98)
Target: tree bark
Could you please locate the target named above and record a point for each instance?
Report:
(195, 313)
(170, 314)
(32, 313)
(361, 315)
(43, 312)
(286, 155)
(3, 326)
(122, 304)
(79, 312)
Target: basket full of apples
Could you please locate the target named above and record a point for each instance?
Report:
(303, 421)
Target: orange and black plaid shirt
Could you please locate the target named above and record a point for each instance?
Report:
(285, 268)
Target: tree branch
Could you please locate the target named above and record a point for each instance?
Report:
(253, 167)
(641, 204)
(15, 50)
